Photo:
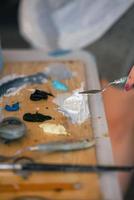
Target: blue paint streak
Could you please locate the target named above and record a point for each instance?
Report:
(59, 52)
(59, 86)
(14, 107)
(20, 81)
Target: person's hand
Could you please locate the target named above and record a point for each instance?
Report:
(130, 80)
(119, 107)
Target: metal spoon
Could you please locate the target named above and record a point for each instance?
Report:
(95, 91)
(60, 146)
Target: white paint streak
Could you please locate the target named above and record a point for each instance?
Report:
(57, 129)
(14, 91)
(11, 91)
(75, 106)
(9, 78)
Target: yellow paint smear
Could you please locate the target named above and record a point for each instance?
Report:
(57, 129)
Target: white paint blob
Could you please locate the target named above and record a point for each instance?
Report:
(57, 129)
(75, 106)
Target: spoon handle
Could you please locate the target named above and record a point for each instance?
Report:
(115, 82)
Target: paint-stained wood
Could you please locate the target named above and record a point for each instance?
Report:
(52, 185)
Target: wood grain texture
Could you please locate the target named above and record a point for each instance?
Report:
(51, 185)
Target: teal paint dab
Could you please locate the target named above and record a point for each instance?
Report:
(59, 85)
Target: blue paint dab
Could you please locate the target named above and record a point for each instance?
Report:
(59, 86)
(59, 52)
(13, 107)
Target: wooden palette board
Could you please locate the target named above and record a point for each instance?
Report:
(50, 185)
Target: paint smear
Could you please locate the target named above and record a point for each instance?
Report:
(57, 129)
(74, 106)
(14, 91)
(9, 85)
(9, 78)
(12, 128)
(58, 71)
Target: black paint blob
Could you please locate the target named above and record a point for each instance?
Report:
(40, 94)
(36, 117)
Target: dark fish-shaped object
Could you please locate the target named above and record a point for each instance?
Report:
(40, 94)
(12, 128)
(20, 81)
(36, 117)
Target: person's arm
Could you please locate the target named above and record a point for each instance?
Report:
(119, 107)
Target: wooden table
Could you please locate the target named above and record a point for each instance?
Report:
(55, 185)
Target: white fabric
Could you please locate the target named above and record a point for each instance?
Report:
(68, 24)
